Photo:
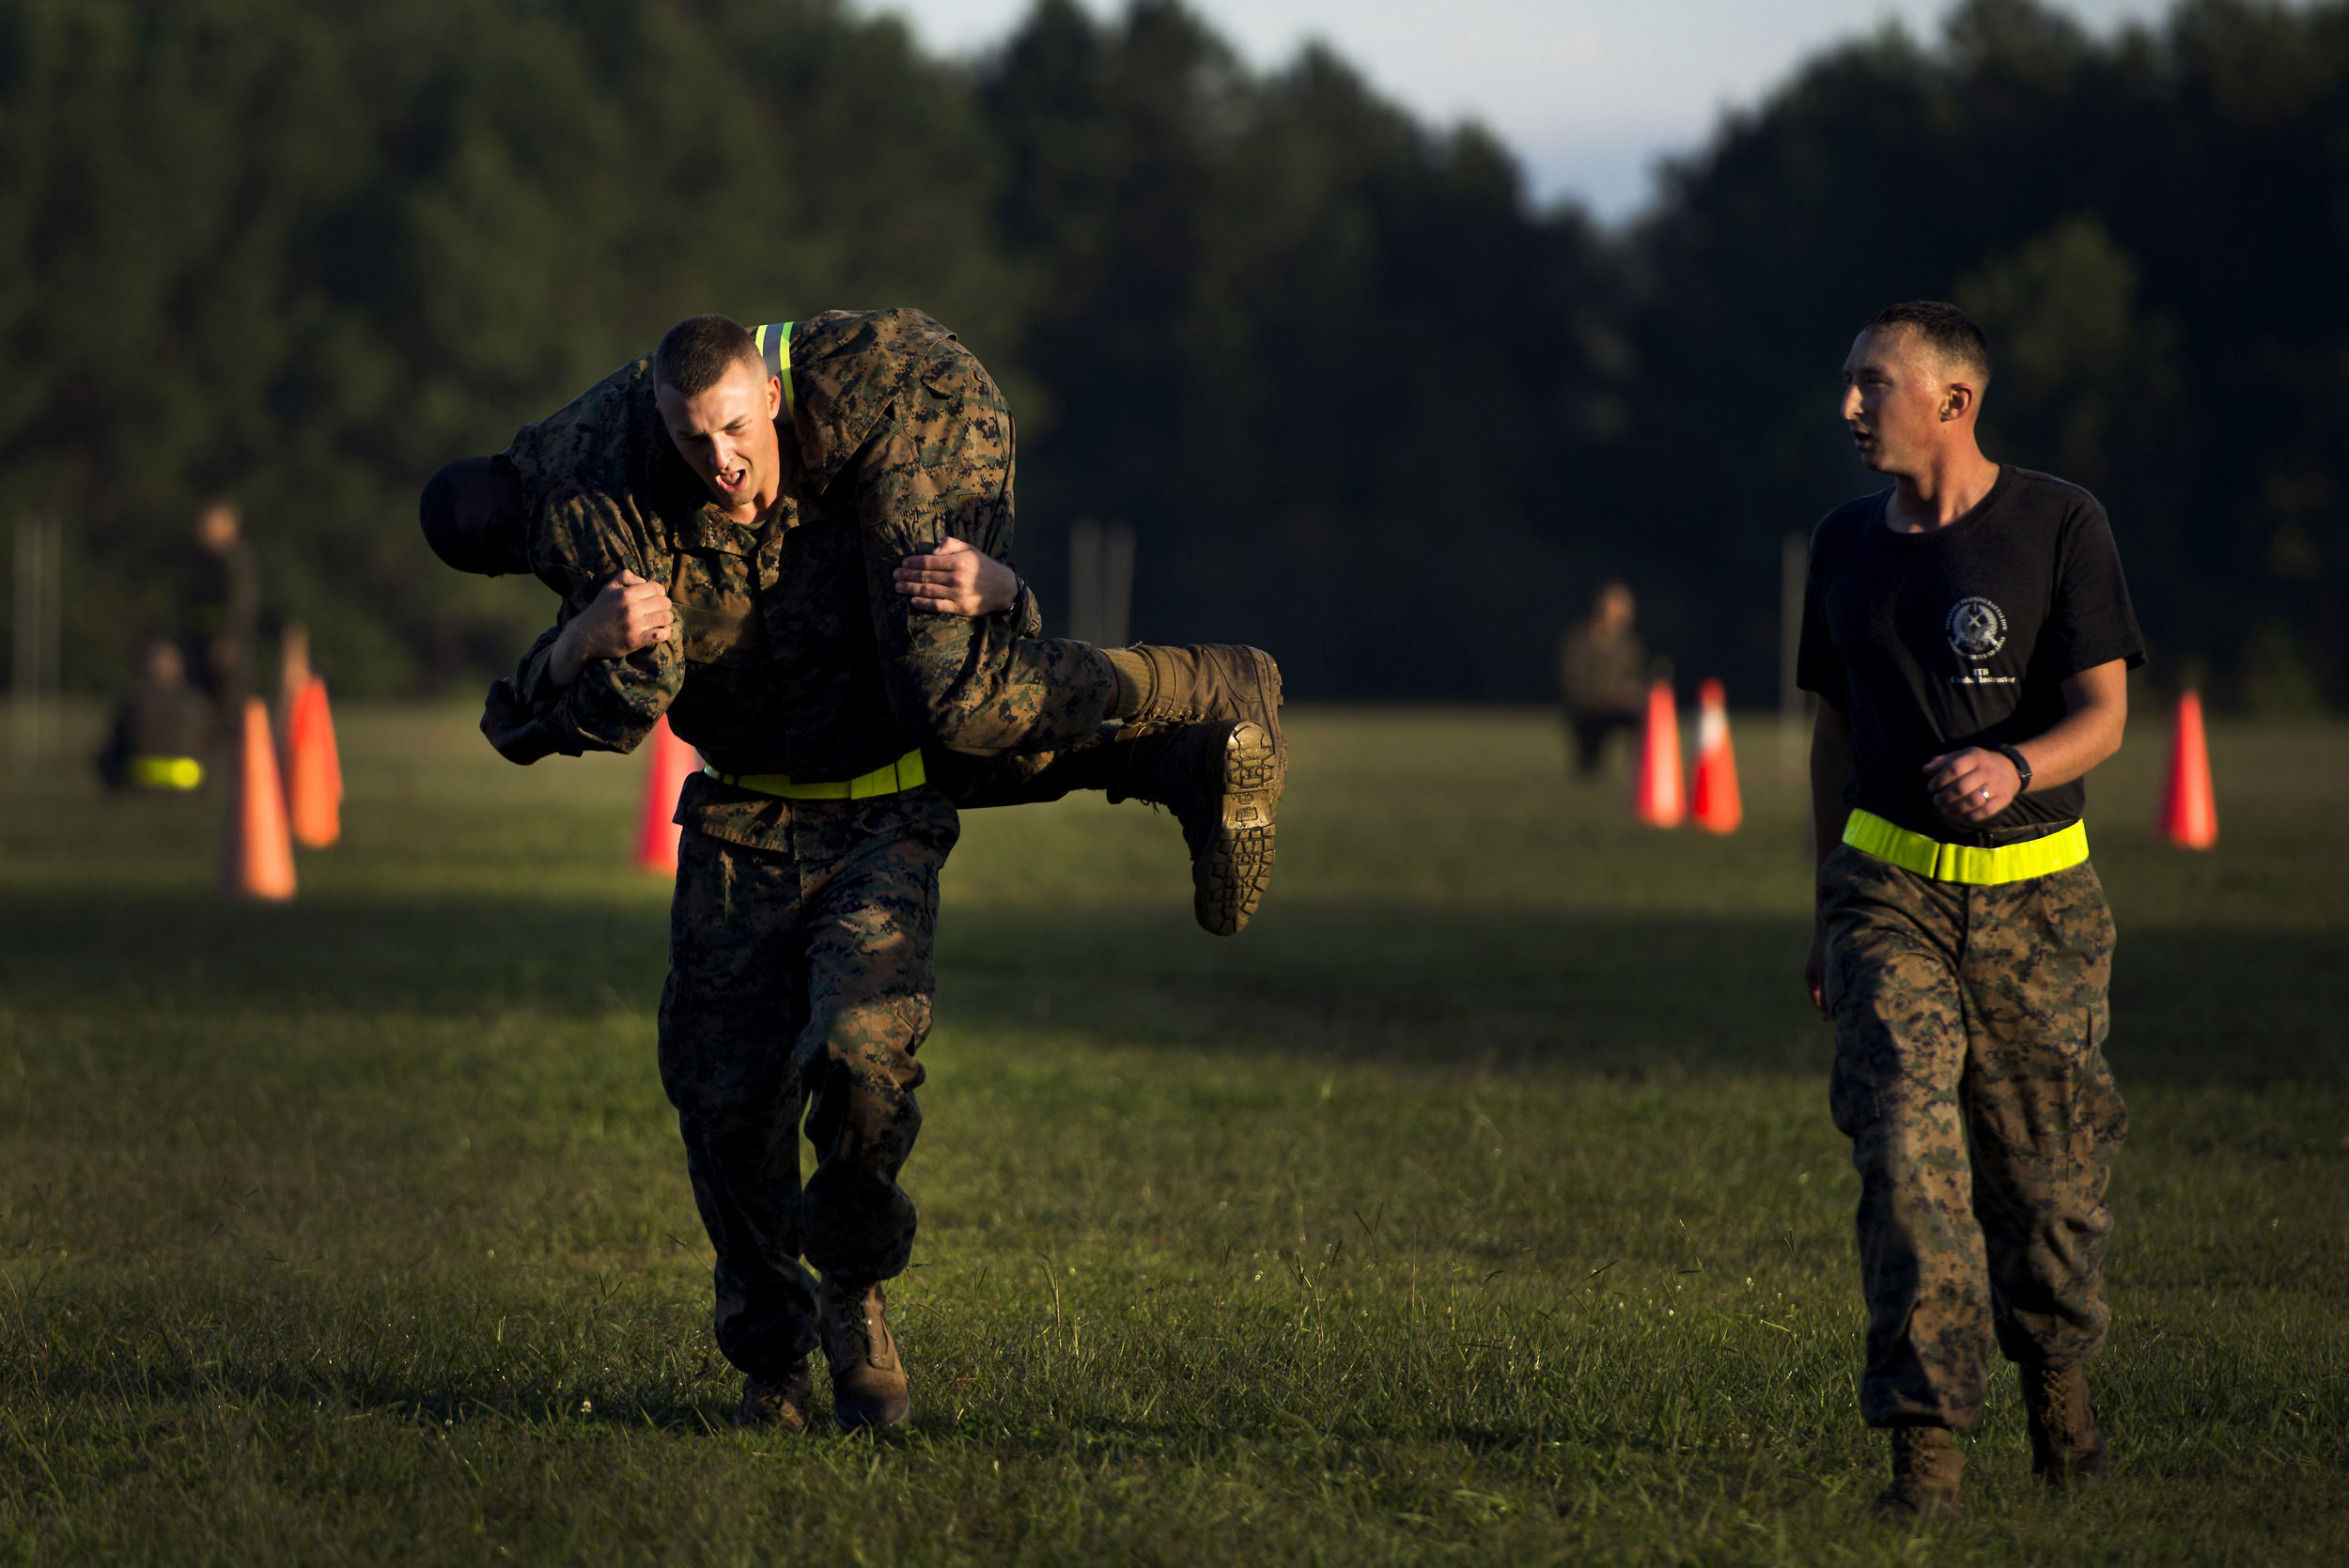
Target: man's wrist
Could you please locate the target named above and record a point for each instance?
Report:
(2021, 765)
(564, 662)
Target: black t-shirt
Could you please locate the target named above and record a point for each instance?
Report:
(1961, 636)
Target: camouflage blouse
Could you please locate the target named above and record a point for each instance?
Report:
(793, 652)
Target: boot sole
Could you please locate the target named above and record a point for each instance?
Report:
(1235, 862)
(1269, 693)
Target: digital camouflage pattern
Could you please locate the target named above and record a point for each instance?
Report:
(799, 988)
(800, 981)
(1970, 1076)
(793, 652)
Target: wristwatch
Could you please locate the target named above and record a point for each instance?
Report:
(2022, 768)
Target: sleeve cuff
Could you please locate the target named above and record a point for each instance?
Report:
(1025, 615)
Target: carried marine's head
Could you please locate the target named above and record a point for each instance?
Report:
(475, 513)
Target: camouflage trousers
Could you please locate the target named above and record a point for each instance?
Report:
(1970, 1078)
(799, 992)
(1028, 778)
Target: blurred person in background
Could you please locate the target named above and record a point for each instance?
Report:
(293, 673)
(220, 607)
(1968, 634)
(293, 663)
(165, 733)
(752, 536)
(1602, 675)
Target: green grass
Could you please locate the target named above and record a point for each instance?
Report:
(1479, 1202)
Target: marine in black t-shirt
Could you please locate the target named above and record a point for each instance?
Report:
(1961, 636)
(1967, 632)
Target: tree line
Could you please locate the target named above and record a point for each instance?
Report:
(1362, 399)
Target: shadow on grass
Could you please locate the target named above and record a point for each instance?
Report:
(1005, 1431)
(457, 955)
(1405, 983)
(226, 1381)
(1606, 992)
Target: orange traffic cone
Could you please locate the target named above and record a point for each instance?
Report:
(314, 769)
(669, 763)
(2190, 813)
(256, 853)
(1715, 806)
(1656, 793)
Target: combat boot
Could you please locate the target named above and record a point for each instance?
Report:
(1222, 782)
(2067, 1448)
(868, 1382)
(1203, 683)
(1925, 1467)
(778, 1401)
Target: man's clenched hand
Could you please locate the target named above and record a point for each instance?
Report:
(1973, 785)
(628, 614)
(957, 580)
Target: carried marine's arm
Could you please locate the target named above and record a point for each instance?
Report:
(936, 476)
(570, 694)
(626, 618)
(942, 470)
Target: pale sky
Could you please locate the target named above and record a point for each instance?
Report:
(1589, 93)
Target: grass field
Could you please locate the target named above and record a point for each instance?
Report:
(1479, 1202)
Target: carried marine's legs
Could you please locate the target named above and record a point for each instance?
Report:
(1200, 734)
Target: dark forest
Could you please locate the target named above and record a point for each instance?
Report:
(1362, 400)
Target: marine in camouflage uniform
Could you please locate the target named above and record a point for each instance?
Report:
(1968, 633)
(801, 982)
(792, 628)
(606, 489)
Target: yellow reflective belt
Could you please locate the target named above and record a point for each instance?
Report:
(167, 772)
(1962, 862)
(891, 778)
(774, 346)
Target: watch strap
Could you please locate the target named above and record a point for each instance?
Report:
(2022, 768)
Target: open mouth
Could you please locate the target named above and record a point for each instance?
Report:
(731, 479)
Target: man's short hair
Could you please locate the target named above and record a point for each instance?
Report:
(1948, 331)
(696, 353)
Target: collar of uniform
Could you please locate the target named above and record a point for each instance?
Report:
(708, 528)
(705, 527)
(847, 368)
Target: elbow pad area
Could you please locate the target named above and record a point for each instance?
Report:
(519, 735)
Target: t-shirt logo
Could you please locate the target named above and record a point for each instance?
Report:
(1977, 627)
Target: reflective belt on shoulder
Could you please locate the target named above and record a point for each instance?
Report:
(774, 346)
(1962, 862)
(166, 772)
(891, 778)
